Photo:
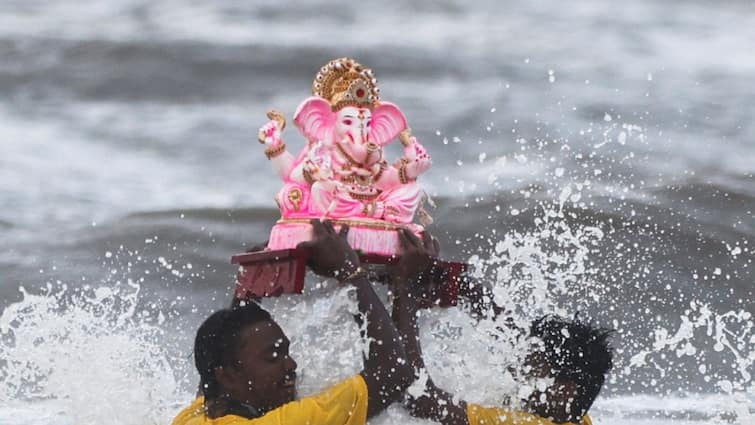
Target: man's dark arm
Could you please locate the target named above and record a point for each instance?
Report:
(435, 403)
(386, 371)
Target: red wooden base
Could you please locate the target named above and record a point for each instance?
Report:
(272, 273)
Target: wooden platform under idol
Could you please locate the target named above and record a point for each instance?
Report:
(277, 272)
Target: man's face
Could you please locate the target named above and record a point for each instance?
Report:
(264, 375)
(549, 398)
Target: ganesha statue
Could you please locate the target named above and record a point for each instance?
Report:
(342, 173)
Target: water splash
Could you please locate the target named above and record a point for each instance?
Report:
(84, 354)
(701, 329)
(532, 270)
(87, 356)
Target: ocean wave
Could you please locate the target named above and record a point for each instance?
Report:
(161, 71)
(228, 215)
(677, 408)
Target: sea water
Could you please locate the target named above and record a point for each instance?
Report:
(95, 354)
(587, 159)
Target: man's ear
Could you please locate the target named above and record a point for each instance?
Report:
(225, 378)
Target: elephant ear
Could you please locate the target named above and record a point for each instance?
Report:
(315, 119)
(387, 122)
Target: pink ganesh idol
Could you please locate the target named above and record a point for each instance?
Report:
(341, 174)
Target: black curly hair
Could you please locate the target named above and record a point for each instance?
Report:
(577, 352)
(216, 343)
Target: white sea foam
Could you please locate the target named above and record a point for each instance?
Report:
(84, 357)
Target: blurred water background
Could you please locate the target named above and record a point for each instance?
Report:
(588, 156)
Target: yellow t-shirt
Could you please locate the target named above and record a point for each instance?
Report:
(342, 404)
(479, 415)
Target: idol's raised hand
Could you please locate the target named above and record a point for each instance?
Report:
(270, 133)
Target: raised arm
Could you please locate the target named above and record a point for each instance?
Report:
(410, 290)
(415, 161)
(386, 371)
(275, 150)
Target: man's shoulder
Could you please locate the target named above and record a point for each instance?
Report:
(351, 388)
(191, 415)
(195, 415)
(478, 415)
(342, 403)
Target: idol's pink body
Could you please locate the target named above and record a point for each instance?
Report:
(341, 173)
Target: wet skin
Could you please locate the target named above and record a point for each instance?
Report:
(264, 374)
(554, 401)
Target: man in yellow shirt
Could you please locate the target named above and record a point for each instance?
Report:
(248, 378)
(575, 356)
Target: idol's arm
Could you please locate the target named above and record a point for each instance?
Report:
(275, 149)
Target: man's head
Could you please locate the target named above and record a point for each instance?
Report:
(241, 354)
(577, 357)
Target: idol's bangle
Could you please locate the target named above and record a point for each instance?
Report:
(383, 166)
(273, 152)
(402, 176)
